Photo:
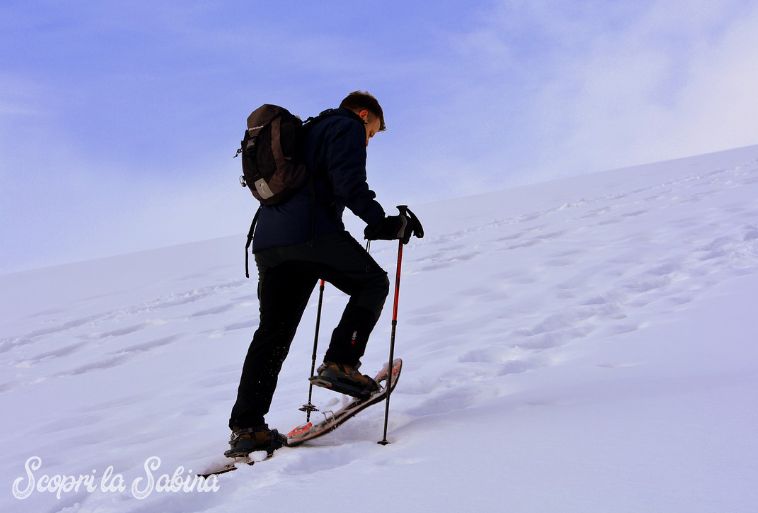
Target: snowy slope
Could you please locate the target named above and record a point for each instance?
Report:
(586, 345)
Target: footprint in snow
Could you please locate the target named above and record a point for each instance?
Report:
(250, 323)
(553, 339)
(750, 234)
(447, 401)
(120, 356)
(518, 367)
(321, 459)
(424, 320)
(54, 330)
(56, 353)
(128, 330)
(149, 345)
(214, 310)
(103, 364)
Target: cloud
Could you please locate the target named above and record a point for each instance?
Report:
(118, 130)
(596, 85)
(659, 89)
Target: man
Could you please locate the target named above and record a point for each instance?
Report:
(302, 240)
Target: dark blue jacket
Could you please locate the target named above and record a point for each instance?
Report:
(335, 155)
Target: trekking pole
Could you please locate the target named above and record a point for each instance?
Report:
(309, 406)
(384, 440)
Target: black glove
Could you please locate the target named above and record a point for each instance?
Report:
(389, 228)
(400, 227)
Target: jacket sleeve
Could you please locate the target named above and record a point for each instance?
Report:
(346, 166)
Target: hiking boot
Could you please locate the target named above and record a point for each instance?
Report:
(259, 438)
(345, 379)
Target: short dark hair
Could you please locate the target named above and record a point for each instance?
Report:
(358, 100)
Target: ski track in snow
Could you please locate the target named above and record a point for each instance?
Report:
(518, 290)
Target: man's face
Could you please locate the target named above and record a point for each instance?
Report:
(370, 122)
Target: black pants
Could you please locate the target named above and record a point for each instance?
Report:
(286, 278)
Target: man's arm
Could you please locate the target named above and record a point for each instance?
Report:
(346, 165)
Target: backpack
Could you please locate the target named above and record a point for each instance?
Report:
(273, 167)
(272, 161)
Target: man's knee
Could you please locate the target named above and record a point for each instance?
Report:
(375, 293)
(380, 287)
(384, 286)
(273, 334)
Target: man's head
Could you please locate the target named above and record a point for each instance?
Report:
(368, 109)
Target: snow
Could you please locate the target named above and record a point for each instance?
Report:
(585, 345)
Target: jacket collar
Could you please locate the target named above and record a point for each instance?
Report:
(341, 111)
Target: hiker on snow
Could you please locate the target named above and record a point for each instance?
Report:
(301, 240)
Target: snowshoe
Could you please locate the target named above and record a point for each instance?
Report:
(345, 379)
(260, 438)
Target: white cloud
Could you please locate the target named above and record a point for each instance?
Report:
(638, 99)
(605, 85)
(533, 90)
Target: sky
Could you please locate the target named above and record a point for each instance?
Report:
(118, 120)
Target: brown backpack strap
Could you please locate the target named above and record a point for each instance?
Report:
(276, 144)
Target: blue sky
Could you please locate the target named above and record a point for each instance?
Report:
(118, 119)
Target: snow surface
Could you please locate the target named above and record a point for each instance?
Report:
(586, 345)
